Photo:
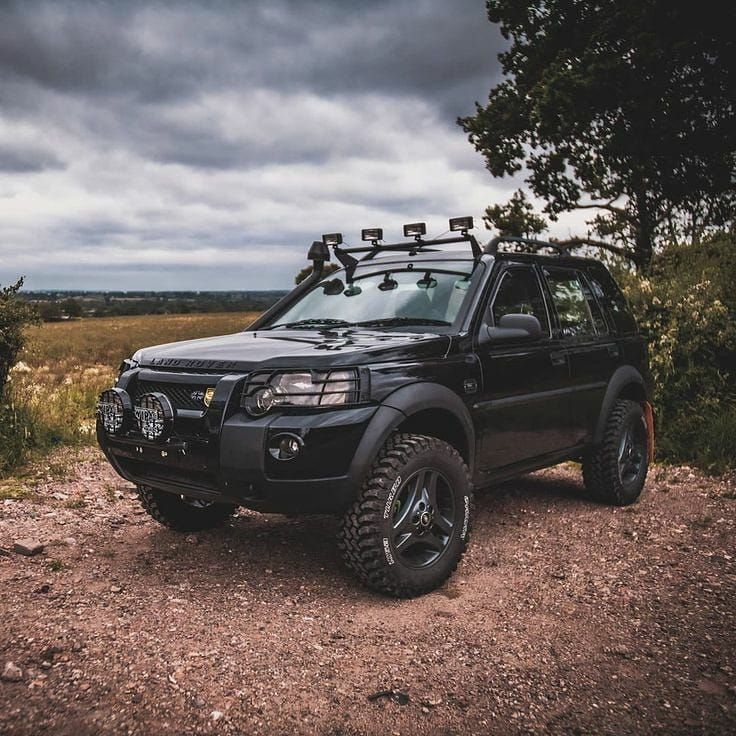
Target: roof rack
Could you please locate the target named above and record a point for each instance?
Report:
(524, 245)
(347, 256)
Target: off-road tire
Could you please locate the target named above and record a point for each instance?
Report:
(366, 527)
(177, 514)
(601, 465)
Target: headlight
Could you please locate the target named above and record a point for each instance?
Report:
(155, 417)
(265, 390)
(115, 411)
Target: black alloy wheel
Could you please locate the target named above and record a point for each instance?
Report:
(615, 470)
(409, 526)
(423, 518)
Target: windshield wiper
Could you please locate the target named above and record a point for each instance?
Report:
(313, 323)
(399, 321)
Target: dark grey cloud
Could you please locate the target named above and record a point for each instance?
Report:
(17, 158)
(169, 137)
(155, 51)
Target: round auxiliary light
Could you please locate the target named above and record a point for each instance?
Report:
(155, 417)
(285, 446)
(261, 401)
(115, 411)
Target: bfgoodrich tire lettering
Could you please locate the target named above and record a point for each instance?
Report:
(409, 526)
(615, 471)
(183, 515)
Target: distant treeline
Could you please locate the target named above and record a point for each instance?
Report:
(59, 305)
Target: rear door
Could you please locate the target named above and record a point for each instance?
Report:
(594, 353)
(523, 410)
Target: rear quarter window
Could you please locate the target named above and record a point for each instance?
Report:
(612, 300)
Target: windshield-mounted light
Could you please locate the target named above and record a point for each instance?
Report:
(266, 390)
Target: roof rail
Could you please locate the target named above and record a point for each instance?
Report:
(524, 245)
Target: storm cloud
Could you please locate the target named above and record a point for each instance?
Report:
(204, 145)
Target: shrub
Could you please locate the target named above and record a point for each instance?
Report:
(15, 315)
(16, 434)
(687, 306)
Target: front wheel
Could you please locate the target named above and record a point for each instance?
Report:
(181, 513)
(409, 526)
(615, 471)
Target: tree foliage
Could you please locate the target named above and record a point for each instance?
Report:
(687, 307)
(515, 218)
(15, 316)
(621, 107)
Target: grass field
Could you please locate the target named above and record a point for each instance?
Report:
(65, 365)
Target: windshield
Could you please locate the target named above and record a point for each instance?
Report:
(428, 294)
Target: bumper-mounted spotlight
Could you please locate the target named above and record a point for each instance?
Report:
(155, 417)
(115, 411)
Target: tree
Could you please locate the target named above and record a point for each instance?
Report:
(307, 270)
(516, 218)
(50, 311)
(621, 107)
(15, 316)
(72, 308)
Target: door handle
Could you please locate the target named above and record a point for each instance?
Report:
(558, 357)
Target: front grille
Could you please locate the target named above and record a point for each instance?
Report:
(181, 395)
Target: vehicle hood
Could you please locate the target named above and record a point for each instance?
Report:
(247, 351)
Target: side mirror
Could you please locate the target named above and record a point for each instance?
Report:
(516, 327)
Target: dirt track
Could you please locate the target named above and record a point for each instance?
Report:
(565, 617)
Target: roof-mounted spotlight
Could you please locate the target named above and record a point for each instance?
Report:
(415, 230)
(374, 234)
(461, 223)
(332, 239)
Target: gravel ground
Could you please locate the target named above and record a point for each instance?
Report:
(564, 617)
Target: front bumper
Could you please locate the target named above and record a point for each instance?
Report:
(221, 453)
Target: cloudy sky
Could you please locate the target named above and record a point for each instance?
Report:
(204, 145)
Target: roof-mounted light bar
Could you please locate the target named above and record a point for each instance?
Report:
(332, 239)
(374, 234)
(415, 230)
(462, 224)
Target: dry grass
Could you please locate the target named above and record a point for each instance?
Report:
(65, 365)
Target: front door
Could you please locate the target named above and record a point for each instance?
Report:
(523, 411)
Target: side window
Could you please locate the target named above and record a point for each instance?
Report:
(595, 311)
(613, 300)
(570, 303)
(520, 293)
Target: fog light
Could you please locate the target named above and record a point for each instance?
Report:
(285, 446)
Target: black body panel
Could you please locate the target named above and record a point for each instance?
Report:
(508, 406)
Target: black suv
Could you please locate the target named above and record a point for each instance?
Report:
(387, 391)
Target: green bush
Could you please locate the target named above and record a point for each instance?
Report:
(687, 306)
(16, 436)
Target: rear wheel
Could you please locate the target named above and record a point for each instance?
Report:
(615, 471)
(181, 513)
(408, 529)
